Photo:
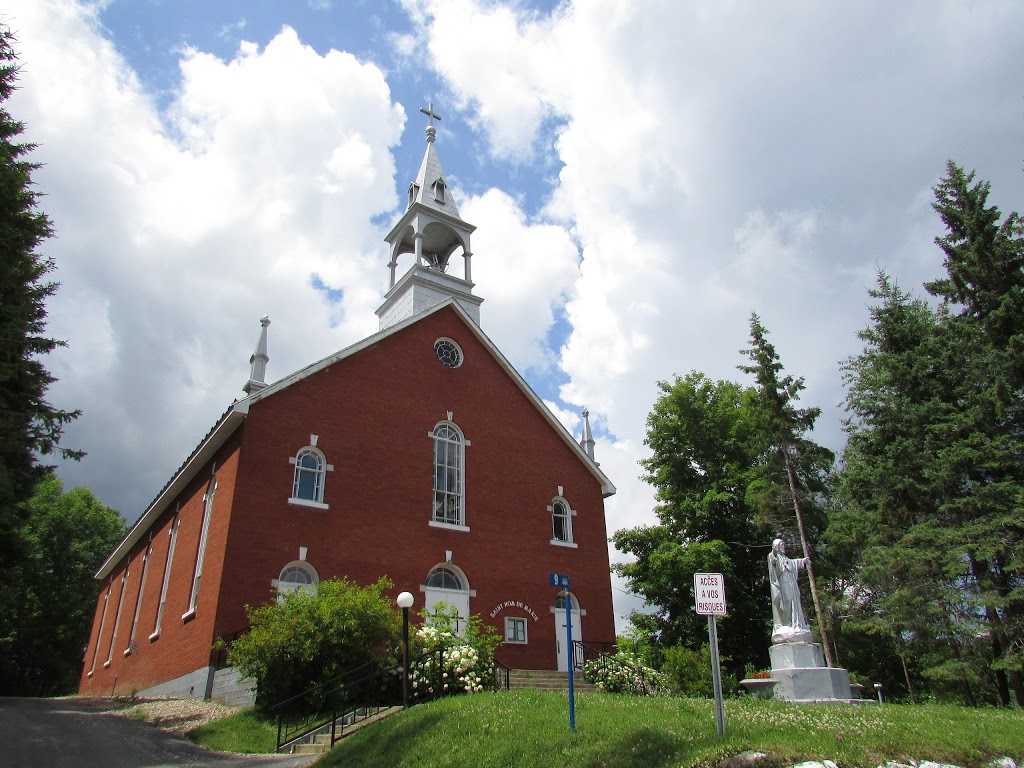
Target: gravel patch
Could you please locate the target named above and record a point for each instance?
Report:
(175, 715)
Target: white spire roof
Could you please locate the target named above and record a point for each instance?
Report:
(258, 361)
(430, 188)
(587, 441)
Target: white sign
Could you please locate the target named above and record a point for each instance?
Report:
(709, 594)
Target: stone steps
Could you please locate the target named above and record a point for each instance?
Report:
(319, 741)
(547, 680)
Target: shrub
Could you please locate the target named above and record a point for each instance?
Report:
(306, 639)
(466, 663)
(625, 673)
(689, 672)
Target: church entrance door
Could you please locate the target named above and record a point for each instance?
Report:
(561, 649)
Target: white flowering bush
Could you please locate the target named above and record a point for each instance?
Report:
(625, 673)
(453, 664)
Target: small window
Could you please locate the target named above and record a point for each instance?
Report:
(448, 475)
(439, 191)
(413, 191)
(448, 352)
(515, 630)
(444, 578)
(309, 475)
(297, 576)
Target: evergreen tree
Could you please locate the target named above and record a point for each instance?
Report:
(984, 294)
(934, 453)
(794, 472)
(28, 424)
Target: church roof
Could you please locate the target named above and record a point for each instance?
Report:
(235, 415)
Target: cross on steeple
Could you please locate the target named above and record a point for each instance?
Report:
(431, 117)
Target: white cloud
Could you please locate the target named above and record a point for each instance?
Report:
(525, 271)
(719, 159)
(172, 243)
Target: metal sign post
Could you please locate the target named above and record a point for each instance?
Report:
(709, 600)
(562, 580)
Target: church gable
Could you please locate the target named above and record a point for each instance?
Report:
(418, 453)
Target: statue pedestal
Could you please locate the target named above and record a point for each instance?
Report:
(803, 677)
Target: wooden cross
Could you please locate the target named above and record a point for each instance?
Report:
(431, 115)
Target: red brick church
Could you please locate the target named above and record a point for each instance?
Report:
(418, 453)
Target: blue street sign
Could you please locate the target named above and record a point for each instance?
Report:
(558, 580)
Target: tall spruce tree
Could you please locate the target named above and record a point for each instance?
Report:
(934, 453)
(910, 584)
(984, 294)
(794, 472)
(29, 425)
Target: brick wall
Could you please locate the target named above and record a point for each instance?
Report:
(373, 413)
(182, 646)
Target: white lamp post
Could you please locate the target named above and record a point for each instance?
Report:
(405, 601)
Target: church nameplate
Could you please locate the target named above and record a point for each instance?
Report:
(515, 604)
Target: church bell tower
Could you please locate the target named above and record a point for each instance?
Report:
(432, 230)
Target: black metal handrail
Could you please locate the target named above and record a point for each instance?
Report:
(303, 713)
(343, 701)
(584, 653)
(501, 676)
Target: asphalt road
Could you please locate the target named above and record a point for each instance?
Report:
(79, 733)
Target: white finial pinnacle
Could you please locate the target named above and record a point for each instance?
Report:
(258, 361)
(587, 441)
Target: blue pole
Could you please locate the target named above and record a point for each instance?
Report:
(569, 655)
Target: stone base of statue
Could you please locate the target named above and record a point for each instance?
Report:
(802, 676)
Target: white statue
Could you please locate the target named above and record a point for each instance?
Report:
(790, 626)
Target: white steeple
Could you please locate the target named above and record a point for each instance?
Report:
(432, 230)
(258, 361)
(587, 441)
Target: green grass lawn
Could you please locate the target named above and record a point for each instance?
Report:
(530, 728)
(246, 732)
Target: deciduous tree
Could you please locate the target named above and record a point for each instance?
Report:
(706, 444)
(51, 592)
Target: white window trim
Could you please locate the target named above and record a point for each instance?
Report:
(317, 503)
(463, 444)
(142, 590)
(204, 533)
(571, 513)
(447, 526)
(526, 634)
(295, 587)
(117, 616)
(99, 633)
(308, 503)
(172, 534)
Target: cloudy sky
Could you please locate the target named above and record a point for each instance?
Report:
(643, 175)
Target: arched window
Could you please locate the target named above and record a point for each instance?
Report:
(560, 603)
(444, 578)
(561, 522)
(310, 470)
(297, 576)
(449, 476)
